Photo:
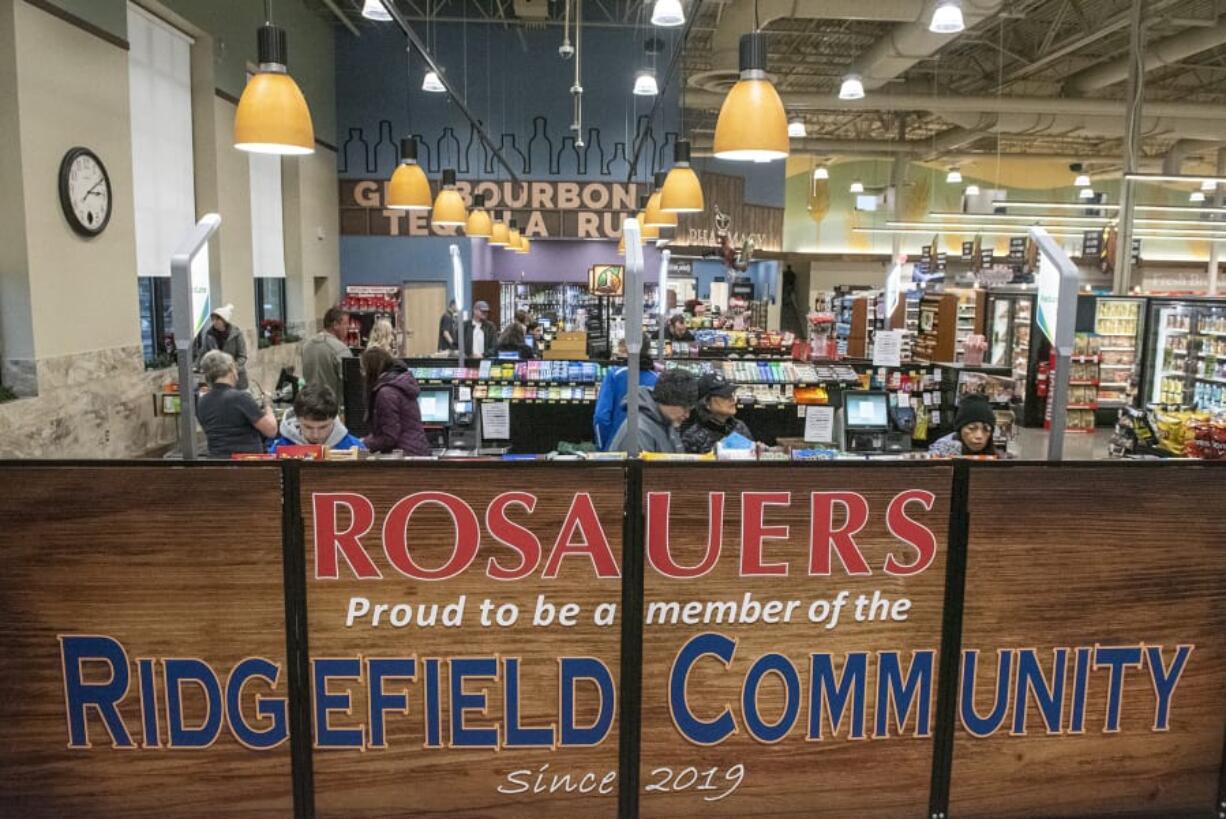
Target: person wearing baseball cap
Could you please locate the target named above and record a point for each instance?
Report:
(973, 428)
(480, 334)
(662, 410)
(714, 418)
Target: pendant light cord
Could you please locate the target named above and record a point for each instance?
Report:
(268, 12)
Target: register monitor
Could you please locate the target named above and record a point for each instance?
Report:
(435, 406)
(866, 425)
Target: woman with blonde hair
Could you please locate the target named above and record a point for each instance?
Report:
(383, 336)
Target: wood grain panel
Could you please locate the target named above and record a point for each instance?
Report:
(171, 562)
(1109, 555)
(763, 223)
(835, 776)
(407, 779)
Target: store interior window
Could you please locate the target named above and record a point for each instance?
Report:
(270, 311)
(156, 322)
(163, 187)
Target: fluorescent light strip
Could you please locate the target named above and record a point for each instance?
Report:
(1004, 203)
(1089, 220)
(1149, 233)
(1163, 177)
(1006, 217)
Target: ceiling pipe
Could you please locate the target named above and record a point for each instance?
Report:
(909, 43)
(738, 18)
(1091, 125)
(1157, 54)
(943, 105)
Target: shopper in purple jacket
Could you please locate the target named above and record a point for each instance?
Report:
(392, 412)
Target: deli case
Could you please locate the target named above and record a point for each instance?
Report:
(1014, 341)
(1185, 353)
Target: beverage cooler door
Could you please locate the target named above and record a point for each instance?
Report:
(1208, 364)
(1117, 324)
(1169, 353)
(1000, 316)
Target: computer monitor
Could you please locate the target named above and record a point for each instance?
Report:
(508, 355)
(435, 406)
(865, 410)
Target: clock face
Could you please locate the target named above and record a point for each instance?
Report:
(85, 192)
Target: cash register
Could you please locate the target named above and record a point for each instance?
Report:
(435, 406)
(866, 425)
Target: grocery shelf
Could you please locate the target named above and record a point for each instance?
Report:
(1117, 349)
(1113, 384)
(1210, 380)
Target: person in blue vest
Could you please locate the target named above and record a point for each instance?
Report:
(313, 421)
(610, 410)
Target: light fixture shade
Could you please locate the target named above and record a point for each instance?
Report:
(524, 246)
(796, 127)
(856, 187)
(621, 246)
(479, 223)
(649, 232)
(682, 192)
(374, 10)
(513, 235)
(667, 13)
(449, 207)
(1208, 186)
(1082, 181)
(954, 177)
(852, 88)
(753, 124)
(409, 189)
(947, 18)
(272, 115)
(972, 190)
(656, 216)
(432, 83)
(820, 172)
(645, 83)
(1197, 196)
(499, 235)
(1086, 193)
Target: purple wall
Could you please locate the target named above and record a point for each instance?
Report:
(559, 261)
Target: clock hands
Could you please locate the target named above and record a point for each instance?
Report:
(94, 189)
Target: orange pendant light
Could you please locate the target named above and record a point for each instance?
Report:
(682, 192)
(272, 115)
(656, 217)
(621, 246)
(752, 125)
(513, 235)
(499, 235)
(408, 189)
(449, 208)
(648, 233)
(478, 223)
(525, 244)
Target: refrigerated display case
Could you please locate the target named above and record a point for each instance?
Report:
(1119, 325)
(1012, 317)
(1185, 353)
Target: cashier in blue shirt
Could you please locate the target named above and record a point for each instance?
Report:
(611, 401)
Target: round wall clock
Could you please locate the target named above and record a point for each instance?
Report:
(85, 192)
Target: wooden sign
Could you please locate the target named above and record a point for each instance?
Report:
(464, 636)
(1098, 682)
(142, 647)
(791, 614)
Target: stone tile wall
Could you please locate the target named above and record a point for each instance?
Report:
(104, 404)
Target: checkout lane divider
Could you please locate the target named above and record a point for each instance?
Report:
(630, 725)
(297, 645)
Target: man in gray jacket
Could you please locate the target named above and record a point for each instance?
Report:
(662, 410)
(322, 353)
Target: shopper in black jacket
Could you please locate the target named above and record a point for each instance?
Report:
(714, 418)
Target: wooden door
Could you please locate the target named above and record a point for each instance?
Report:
(424, 304)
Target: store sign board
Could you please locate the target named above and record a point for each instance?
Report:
(142, 673)
(791, 614)
(464, 635)
(606, 280)
(1103, 682)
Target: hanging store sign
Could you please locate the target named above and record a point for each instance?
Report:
(577, 210)
(606, 280)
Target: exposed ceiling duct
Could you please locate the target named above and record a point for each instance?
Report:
(905, 45)
(1087, 125)
(945, 105)
(1157, 54)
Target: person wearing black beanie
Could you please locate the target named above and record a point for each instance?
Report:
(974, 426)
